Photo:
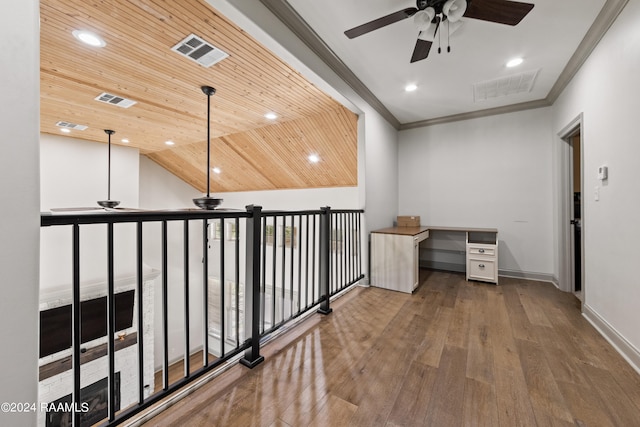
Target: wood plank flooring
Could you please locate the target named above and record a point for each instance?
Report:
(454, 353)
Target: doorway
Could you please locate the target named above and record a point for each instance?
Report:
(571, 212)
(576, 217)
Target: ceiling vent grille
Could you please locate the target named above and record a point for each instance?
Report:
(504, 86)
(108, 98)
(196, 49)
(69, 125)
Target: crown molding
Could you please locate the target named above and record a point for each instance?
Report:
(477, 114)
(290, 18)
(598, 29)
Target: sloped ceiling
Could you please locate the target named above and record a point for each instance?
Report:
(252, 152)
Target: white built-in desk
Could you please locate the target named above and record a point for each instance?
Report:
(397, 253)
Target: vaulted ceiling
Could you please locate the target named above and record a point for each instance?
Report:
(137, 63)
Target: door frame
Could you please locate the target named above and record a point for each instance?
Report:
(564, 212)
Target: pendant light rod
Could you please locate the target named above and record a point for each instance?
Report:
(109, 132)
(109, 203)
(208, 90)
(208, 202)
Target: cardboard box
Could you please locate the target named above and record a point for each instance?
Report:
(408, 221)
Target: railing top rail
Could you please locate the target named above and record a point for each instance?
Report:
(308, 212)
(347, 210)
(128, 216)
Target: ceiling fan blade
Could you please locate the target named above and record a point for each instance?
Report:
(421, 51)
(499, 11)
(380, 22)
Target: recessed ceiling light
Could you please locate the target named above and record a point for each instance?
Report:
(216, 170)
(514, 62)
(410, 87)
(89, 38)
(271, 116)
(125, 140)
(169, 142)
(65, 130)
(314, 158)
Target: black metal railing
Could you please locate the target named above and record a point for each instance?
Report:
(259, 270)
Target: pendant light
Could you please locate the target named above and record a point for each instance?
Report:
(208, 202)
(109, 203)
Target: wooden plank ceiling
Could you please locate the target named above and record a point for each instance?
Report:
(252, 152)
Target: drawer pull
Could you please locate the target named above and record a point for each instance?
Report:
(481, 251)
(481, 265)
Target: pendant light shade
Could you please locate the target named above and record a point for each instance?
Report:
(208, 202)
(109, 203)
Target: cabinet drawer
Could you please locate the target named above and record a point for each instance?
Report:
(479, 250)
(483, 269)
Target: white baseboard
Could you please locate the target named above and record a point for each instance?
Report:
(541, 277)
(622, 346)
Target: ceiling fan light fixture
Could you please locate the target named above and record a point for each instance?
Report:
(514, 62)
(454, 9)
(422, 19)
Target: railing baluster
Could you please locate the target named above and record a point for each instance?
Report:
(306, 267)
(284, 270)
(165, 308)
(273, 271)
(111, 325)
(292, 243)
(221, 284)
(139, 291)
(187, 346)
(237, 286)
(313, 262)
(263, 284)
(76, 338)
(299, 262)
(205, 291)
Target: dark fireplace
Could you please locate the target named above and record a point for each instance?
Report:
(95, 397)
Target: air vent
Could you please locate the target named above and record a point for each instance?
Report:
(504, 86)
(196, 49)
(114, 100)
(69, 125)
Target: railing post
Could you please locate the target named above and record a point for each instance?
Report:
(324, 258)
(252, 355)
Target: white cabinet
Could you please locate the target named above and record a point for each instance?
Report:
(395, 257)
(482, 257)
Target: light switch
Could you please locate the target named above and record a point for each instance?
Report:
(596, 193)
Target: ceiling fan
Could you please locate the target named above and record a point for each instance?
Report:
(433, 13)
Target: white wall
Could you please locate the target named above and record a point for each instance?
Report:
(73, 173)
(607, 91)
(489, 172)
(19, 228)
(307, 199)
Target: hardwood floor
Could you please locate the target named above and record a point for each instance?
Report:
(176, 370)
(455, 353)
